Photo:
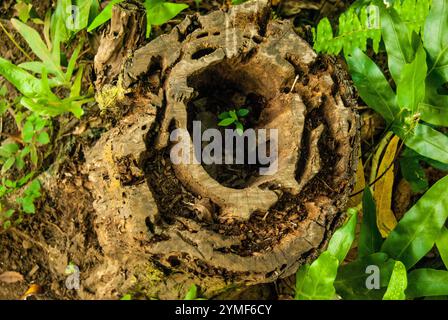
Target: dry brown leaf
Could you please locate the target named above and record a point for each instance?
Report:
(383, 190)
(11, 277)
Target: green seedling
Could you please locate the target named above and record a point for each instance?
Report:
(233, 117)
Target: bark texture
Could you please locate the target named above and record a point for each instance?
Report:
(153, 227)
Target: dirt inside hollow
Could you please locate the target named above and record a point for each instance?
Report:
(264, 229)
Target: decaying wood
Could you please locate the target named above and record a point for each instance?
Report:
(156, 228)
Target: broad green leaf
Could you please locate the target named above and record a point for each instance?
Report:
(315, 281)
(36, 44)
(442, 245)
(159, 13)
(59, 21)
(27, 84)
(426, 141)
(226, 122)
(434, 109)
(352, 278)
(43, 138)
(243, 112)
(411, 86)
(104, 15)
(233, 115)
(396, 37)
(427, 283)
(435, 114)
(126, 297)
(397, 283)
(370, 239)
(83, 14)
(9, 149)
(420, 227)
(342, 240)
(33, 66)
(435, 37)
(372, 85)
(413, 172)
(192, 293)
(223, 116)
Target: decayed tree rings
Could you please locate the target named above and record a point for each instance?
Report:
(177, 224)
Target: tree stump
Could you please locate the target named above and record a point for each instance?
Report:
(142, 223)
(194, 221)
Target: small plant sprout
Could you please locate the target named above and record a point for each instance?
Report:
(233, 117)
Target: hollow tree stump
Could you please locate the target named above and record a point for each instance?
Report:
(179, 221)
(140, 222)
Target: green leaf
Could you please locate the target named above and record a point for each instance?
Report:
(442, 245)
(370, 239)
(426, 141)
(243, 112)
(418, 230)
(427, 283)
(435, 114)
(72, 62)
(411, 86)
(33, 189)
(36, 44)
(28, 132)
(8, 214)
(396, 37)
(104, 15)
(23, 10)
(397, 284)
(33, 66)
(28, 205)
(126, 297)
(372, 85)
(159, 12)
(33, 155)
(192, 293)
(224, 115)
(75, 90)
(226, 122)
(352, 277)
(435, 38)
(413, 172)
(83, 15)
(8, 150)
(6, 225)
(43, 138)
(315, 281)
(342, 240)
(8, 164)
(233, 115)
(239, 128)
(27, 84)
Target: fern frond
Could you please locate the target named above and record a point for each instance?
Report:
(353, 32)
(413, 13)
(361, 23)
